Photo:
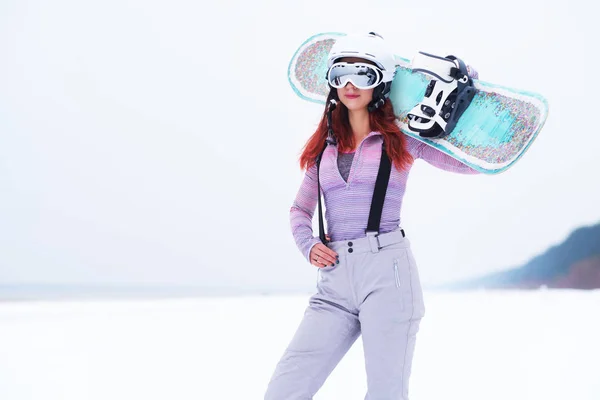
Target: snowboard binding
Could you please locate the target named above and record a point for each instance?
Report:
(447, 96)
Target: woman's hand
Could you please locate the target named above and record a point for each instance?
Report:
(322, 256)
(472, 72)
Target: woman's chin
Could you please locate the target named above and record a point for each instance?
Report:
(354, 104)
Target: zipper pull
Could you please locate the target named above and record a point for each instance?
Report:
(396, 274)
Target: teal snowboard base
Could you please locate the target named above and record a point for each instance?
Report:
(493, 133)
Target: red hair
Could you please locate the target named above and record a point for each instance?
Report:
(381, 120)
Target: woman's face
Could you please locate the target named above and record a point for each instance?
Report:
(355, 99)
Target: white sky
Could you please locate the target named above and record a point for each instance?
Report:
(156, 142)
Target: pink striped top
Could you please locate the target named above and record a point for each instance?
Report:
(347, 205)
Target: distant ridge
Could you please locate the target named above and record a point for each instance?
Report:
(575, 264)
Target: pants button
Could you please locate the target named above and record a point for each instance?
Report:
(350, 250)
(350, 244)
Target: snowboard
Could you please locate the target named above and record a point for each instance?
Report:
(491, 135)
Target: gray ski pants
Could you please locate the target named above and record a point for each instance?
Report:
(374, 291)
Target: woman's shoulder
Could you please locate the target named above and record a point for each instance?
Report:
(413, 145)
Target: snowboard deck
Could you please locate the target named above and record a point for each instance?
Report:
(492, 134)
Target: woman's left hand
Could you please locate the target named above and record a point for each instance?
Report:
(472, 72)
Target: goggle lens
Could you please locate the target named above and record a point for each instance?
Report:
(362, 76)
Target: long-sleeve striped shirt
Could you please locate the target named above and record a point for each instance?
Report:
(347, 204)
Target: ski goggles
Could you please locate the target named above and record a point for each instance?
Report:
(362, 75)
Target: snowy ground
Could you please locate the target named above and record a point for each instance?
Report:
(474, 345)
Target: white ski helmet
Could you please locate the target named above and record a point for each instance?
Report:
(371, 47)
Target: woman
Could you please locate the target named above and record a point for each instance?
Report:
(368, 281)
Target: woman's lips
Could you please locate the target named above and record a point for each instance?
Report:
(352, 96)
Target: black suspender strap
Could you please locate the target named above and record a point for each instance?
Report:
(330, 139)
(321, 228)
(381, 184)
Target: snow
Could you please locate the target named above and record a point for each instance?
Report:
(472, 345)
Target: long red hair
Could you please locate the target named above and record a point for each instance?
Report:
(381, 120)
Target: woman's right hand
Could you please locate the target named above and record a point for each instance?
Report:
(322, 256)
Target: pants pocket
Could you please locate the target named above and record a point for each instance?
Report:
(396, 273)
(403, 284)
